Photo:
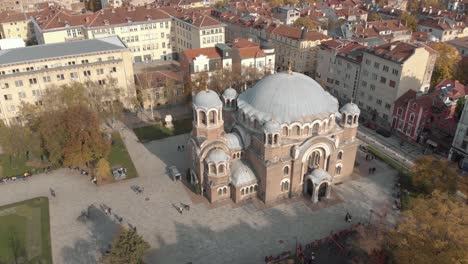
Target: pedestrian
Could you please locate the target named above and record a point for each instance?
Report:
(183, 147)
(178, 148)
(373, 170)
(180, 210)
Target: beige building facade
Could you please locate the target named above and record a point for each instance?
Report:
(258, 144)
(198, 32)
(390, 70)
(27, 72)
(15, 25)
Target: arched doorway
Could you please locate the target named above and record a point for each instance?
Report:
(322, 191)
(309, 188)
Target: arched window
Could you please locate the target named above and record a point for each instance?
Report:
(296, 130)
(340, 155)
(306, 131)
(355, 119)
(275, 139)
(242, 191)
(220, 191)
(411, 118)
(247, 190)
(350, 120)
(344, 118)
(212, 169)
(212, 117)
(255, 187)
(286, 170)
(234, 155)
(225, 190)
(285, 131)
(284, 185)
(251, 189)
(255, 123)
(338, 170)
(315, 129)
(270, 139)
(203, 117)
(221, 168)
(315, 159)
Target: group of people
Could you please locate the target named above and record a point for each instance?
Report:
(82, 171)
(372, 170)
(180, 147)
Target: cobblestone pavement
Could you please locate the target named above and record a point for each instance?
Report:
(225, 234)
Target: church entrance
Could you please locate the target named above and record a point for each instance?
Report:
(322, 191)
(309, 188)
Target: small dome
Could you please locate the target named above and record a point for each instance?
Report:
(207, 99)
(230, 93)
(241, 174)
(271, 127)
(217, 156)
(234, 141)
(350, 108)
(317, 176)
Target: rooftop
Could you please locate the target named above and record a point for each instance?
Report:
(295, 33)
(57, 50)
(397, 50)
(210, 52)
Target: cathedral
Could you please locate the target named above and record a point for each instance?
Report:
(284, 137)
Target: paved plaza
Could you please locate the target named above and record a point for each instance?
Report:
(224, 234)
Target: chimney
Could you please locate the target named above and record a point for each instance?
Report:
(304, 33)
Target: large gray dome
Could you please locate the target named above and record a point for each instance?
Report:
(287, 97)
(207, 99)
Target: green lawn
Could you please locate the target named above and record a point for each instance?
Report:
(119, 157)
(16, 167)
(25, 229)
(154, 132)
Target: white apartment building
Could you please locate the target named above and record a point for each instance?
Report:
(26, 72)
(146, 31)
(388, 71)
(339, 68)
(195, 32)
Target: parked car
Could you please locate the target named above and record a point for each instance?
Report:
(175, 173)
(384, 132)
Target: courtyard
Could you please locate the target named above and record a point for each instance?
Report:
(224, 233)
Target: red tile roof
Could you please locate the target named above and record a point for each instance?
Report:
(456, 90)
(397, 51)
(122, 15)
(243, 43)
(210, 52)
(8, 17)
(251, 52)
(295, 33)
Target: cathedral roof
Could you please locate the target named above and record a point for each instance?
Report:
(287, 98)
(217, 155)
(241, 174)
(207, 99)
(234, 141)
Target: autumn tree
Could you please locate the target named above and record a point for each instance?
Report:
(370, 244)
(462, 71)
(221, 79)
(430, 173)
(433, 230)
(103, 171)
(374, 16)
(416, 5)
(17, 140)
(276, 3)
(220, 4)
(72, 137)
(146, 91)
(127, 248)
(411, 21)
(199, 82)
(306, 23)
(446, 63)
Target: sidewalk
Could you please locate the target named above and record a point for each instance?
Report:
(404, 155)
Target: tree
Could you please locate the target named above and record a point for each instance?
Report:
(462, 71)
(459, 107)
(446, 63)
(416, 5)
(103, 171)
(370, 244)
(411, 21)
(171, 91)
(220, 4)
(374, 16)
(433, 230)
(220, 80)
(306, 23)
(276, 3)
(199, 82)
(430, 173)
(128, 248)
(17, 140)
(72, 137)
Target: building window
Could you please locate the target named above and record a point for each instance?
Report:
(73, 75)
(372, 87)
(46, 79)
(60, 77)
(388, 106)
(395, 72)
(286, 171)
(383, 79)
(18, 83)
(411, 118)
(379, 101)
(376, 65)
(338, 170)
(340, 155)
(114, 69)
(284, 185)
(392, 84)
(100, 71)
(87, 73)
(8, 97)
(374, 76)
(32, 81)
(385, 68)
(22, 95)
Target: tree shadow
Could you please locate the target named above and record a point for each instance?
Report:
(246, 242)
(102, 230)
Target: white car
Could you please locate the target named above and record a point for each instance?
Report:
(175, 173)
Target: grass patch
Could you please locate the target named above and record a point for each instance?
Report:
(119, 157)
(158, 131)
(25, 229)
(17, 166)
